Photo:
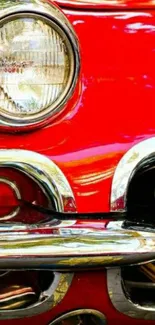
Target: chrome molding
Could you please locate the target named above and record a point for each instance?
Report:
(43, 171)
(96, 313)
(68, 246)
(49, 299)
(139, 156)
(46, 11)
(56, 187)
(121, 302)
(125, 170)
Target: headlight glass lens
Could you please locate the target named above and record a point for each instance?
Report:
(36, 67)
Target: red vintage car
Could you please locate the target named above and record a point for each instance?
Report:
(77, 162)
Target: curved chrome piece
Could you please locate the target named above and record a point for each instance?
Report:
(47, 300)
(48, 12)
(139, 156)
(121, 302)
(14, 187)
(65, 246)
(43, 171)
(99, 317)
(125, 170)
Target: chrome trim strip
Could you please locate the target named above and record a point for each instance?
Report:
(121, 302)
(68, 246)
(47, 11)
(49, 299)
(125, 170)
(43, 171)
(93, 312)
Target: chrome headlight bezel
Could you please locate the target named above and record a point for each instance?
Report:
(50, 14)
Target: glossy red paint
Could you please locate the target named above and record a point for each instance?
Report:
(114, 109)
(107, 4)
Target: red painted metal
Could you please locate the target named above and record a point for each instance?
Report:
(114, 109)
(90, 292)
(107, 4)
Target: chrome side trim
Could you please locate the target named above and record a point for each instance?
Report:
(66, 246)
(43, 171)
(121, 302)
(49, 299)
(46, 10)
(99, 315)
(126, 168)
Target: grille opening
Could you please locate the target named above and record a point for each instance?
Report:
(21, 289)
(141, 195)
(45, 278)
(138, 283)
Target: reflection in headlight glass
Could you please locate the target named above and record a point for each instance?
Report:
(34, 66)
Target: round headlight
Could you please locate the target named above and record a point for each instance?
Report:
(38, 67)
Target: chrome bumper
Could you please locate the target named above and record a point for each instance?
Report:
(65, 244)
(73, 244)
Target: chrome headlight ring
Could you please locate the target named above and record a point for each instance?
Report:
(50, 15)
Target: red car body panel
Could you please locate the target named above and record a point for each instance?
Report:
(90, 291)
(112, 109)
(108, 4)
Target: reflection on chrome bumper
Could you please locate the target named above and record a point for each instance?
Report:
(73, 244)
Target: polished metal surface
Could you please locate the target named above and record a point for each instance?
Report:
(10, 10)
(15, 189)
(47, 299)
(143, 152)
(140, 156)
(120, 300)
(43, 171)
(55, 186)
(97, 317)
(69, 245)
(140, 285)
